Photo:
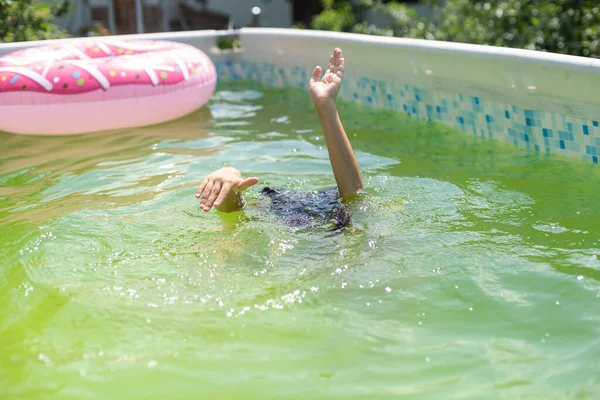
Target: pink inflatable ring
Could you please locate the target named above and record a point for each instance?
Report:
(93, 85)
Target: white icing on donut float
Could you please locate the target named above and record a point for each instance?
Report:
(89, 85)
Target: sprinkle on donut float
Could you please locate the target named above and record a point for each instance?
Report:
(93, 85)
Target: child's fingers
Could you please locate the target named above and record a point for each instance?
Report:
(206, 193)
(216, 189)
(224, 192)
(245, 184)
(331, 64)
(316, 75)
(338, 63)
(337, 56)
(339, 70)
(201, 188)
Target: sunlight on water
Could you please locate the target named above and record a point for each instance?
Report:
(470, 270)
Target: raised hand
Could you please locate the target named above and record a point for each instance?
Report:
(324, 90)
(222, 189)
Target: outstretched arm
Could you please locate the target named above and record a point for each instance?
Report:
(323, 93)
(223, 190)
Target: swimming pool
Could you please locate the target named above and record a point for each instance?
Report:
(471, 272)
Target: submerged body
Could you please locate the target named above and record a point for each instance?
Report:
(223, 188)
(305, 209)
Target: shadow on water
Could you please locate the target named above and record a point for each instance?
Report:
(31, 164)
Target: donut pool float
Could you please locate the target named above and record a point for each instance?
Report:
(86, 85)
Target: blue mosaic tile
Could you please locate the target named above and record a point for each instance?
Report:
(592, 150)
(537, 130)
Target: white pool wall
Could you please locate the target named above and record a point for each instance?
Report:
(541, 101)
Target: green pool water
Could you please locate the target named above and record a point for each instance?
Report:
(471, 271)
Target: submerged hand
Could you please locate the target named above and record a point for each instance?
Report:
(216, 187)
(323, 90)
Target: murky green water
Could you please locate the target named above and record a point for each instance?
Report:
(472, 271)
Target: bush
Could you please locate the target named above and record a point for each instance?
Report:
(336, 16)
(559, 26)
(405, 22)
(23, 20)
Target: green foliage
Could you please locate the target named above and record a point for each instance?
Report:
(404, 22)
(23, 20)
(560, 26)
(341, 15)
(336, 16)
(229, 43)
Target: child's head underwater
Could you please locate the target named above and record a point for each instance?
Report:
(299, 210)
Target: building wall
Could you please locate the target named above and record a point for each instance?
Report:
(275, 13)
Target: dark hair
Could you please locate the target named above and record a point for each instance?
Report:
(307, 209)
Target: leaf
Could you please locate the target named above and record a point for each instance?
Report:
(30, 19)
